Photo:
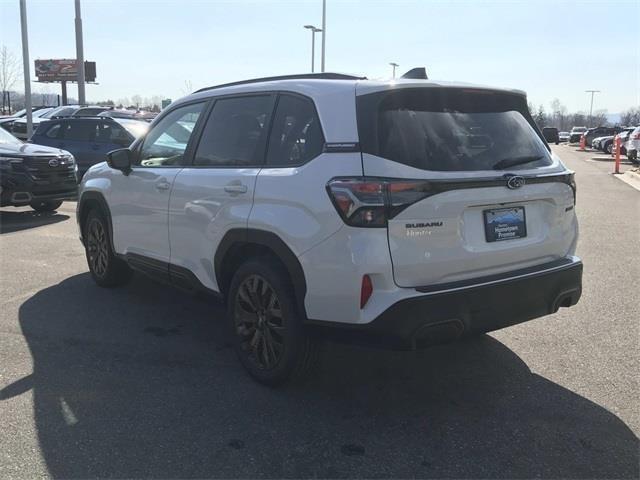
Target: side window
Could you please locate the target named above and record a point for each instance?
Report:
(110, 132)
(78, 131)
(235, 133)
(167, 141)
(53, 131)
(296, 135)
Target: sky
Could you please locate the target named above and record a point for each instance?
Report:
(550, 49)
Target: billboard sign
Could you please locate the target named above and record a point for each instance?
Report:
(63, 69)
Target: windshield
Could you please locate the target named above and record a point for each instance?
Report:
(579, 129)
(7, 138)
(59, 112)
(450, 129)
(134, 127)
(41, 112)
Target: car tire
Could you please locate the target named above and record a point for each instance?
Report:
(106, 269)
(608, 147)
(46, 206)
(269, 336)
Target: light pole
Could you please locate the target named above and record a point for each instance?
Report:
(324, 32)
(79, 55)
(394, 65)
(592, 92)
(25, 65)
(314, 30)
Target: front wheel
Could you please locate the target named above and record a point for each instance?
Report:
(106, 268)
(269, 336)
(46, 206)
(608, 148)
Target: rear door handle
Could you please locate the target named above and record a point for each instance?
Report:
(235, 188)
(163, 185)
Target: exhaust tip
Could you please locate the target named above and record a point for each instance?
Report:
(438, 333)
(565, 299)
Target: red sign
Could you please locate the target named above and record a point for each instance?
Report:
(57, 70)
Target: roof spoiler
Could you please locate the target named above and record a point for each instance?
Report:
(418, 73)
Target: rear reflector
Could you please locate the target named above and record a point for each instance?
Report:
(366, 290)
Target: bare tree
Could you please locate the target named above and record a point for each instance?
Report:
(630, 117)
(188, 87)
(559, 115)
(9, 71)
(136, 100)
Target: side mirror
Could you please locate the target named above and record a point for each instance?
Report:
(120, 159)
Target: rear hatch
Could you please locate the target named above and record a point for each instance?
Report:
(471, 188)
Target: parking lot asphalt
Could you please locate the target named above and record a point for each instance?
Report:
(141, 381)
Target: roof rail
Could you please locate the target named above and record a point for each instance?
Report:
(300, 76)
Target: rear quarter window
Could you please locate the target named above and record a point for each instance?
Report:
(450, 129)
(53, 131)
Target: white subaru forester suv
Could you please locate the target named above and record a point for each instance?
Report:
(403, 213)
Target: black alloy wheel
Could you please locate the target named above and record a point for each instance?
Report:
(259, 322)
(97, 247)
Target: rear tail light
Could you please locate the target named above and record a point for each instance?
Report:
(574, 187)
(365, 290)
(636, 136)
(370, 202)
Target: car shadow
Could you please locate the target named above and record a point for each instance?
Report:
(22, 220)
(141, 382)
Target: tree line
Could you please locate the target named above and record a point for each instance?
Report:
(563, 120)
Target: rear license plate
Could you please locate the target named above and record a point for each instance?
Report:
(504, 224)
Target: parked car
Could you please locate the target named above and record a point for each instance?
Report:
(330, 203)
(89, 139)
(19, 128)
(7, 122)
(90, 111)
(131, 114)
(606, 144)
(550, 134)
(598, 142)
(576, 133)
(592, 133)
(564, 136)
(632, 145)
(35, 175)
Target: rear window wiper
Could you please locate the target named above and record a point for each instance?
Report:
(513, 161)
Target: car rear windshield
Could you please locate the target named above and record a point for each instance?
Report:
(447, 129)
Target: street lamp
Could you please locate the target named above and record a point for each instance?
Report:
(394, 65)
(314, 30)
(324, 33)
(592, 92)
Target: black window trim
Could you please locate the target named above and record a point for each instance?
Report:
(187, 157)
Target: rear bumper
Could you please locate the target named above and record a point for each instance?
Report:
(445, 315)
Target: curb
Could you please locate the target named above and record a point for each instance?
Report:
(631, 178)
